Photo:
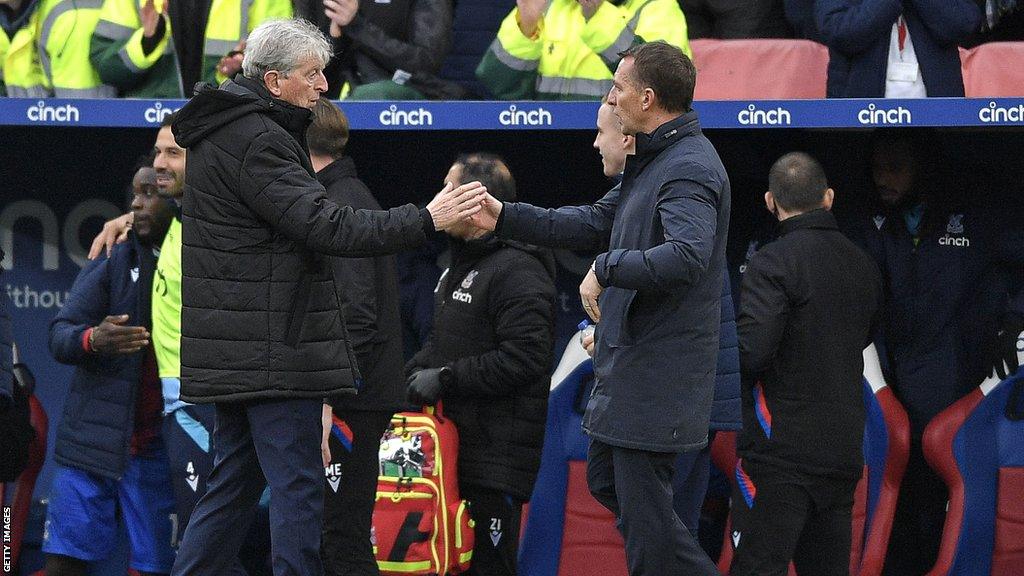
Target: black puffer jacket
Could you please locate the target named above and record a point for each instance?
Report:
(494, 326)
(260, 316)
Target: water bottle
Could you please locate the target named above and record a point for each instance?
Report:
(586, 328)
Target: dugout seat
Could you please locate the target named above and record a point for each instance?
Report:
(886, 447)
(18, 494)
(568, 533)
(977, 447)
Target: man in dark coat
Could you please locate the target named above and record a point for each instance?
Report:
(808, 307)
(894, 48)
(693, 467)
(488, 358)
(109, 445)
(368, 292)
(659, 285)
(386, 50)
(262, 336)
(949, 322)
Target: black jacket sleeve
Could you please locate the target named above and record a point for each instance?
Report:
(274, 184)
(764, 306)
(430, 25)
(521, 303)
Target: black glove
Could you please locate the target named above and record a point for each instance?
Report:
(1005, 354)
(428, 385)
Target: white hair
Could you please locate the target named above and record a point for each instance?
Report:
(282, 45)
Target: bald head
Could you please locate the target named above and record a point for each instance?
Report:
(797, 183)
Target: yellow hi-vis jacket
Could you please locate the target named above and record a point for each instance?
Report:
(571, 58)
(118, 54)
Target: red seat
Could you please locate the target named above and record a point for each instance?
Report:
(886, 447)
(762, 69)
(977, 447)
(994, 70)
(22, 488)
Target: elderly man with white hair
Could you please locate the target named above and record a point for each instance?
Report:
(261, 333)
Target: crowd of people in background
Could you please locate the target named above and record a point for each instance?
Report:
(562, 50)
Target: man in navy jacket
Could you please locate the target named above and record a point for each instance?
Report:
(655, 295)
(861, 34)
(108, 444)
(949, 319)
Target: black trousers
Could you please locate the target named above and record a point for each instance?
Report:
(920, 515)
(496, 534)
(636, 486)
(350, 488)
(779, 516)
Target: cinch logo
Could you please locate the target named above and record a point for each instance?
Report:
(462, 296)
(515, 117)
(395, 117)
(948, 240)
(43, 113)
(754, 117)
(875, 115)
(156, 113)
(993, 113)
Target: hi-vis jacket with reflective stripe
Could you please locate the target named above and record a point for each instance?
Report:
(572, 58)
(49, 56)
(118, 54)
(20, 68)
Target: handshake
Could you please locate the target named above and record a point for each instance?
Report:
(469, 203)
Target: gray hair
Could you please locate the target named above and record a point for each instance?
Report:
(282, 45)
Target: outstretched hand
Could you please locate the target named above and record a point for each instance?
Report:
(487, 217)
(114, 336)
(453, 205)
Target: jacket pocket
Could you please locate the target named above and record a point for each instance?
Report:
(614, 326)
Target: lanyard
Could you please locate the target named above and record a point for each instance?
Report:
(901, 32)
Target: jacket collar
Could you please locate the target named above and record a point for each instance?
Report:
(292, 118)
(343, 167)
(819, 219)
(665, 135)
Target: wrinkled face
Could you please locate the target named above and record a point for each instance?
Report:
(169, 163)
(894, 171)
(152, 212)
(610, 142)
(624, 98)
(303, 85)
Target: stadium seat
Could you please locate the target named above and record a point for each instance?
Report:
(475, 24)
(993, 70)
(21, 489)
(977, 447)
(568, 533)
(886, 447)
(737, 69)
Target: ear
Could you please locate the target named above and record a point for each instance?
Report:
(647, 99)
(829, 198)
(272, 79)
(628, 141)
(769, 201)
